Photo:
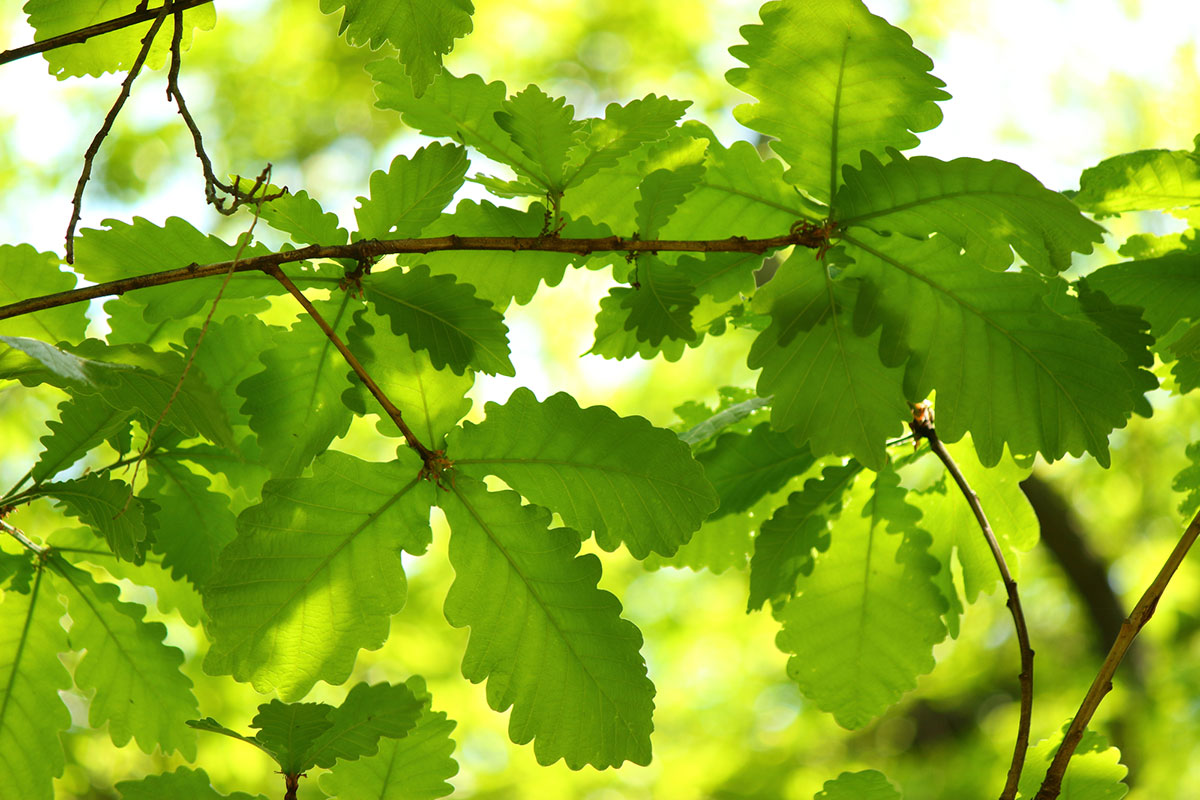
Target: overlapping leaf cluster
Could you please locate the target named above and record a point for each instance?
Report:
(920, 278)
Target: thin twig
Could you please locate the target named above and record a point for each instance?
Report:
(922, 428)
(1102, 685)
(100, 28)
(370, 249)
(90, 155)
(211, 182)
(25, 541)
(187, 366)
(427, 455)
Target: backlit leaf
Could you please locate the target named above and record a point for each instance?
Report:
(106, 506)
(442, 317)
(989, 208)
(743, 468)
(32, 715)
(551, 645)
(544, 128)
(829, 387)
(870, 593)
(619, 476)
(1004, 365)
(1140, 181)
(421, 30)
(139, 690)
(832, 81)
(788, 542)
(182, 784)
(315, 573)
(414, 767)
(411, 194)
(111, 52)
(866, 785)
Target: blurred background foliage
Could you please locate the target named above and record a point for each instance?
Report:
(1054, 85)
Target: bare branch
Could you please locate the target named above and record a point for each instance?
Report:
(370, 249)
(427, 455)
(99, 29)
(211, 182)
(94, 147)
(1102, 685)
(922, 428)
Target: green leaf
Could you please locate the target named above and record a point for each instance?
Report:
(150, 386)
(442, 317)
(832, 81)
(871, 592)
(551, 645)
(622, 130)
(21, 266)
(125, 250)
(619, 476)
(330, 545)
(1004, 365)
(785, 547)
(367, 714)
(288, 730)
(111, 52)
(615, 340)
(545, 129)
(1166, 288)
(422, 30)
(660, 305)
(32, 715)
(463, 109)
(1188, 480)
(989, 208)
(190, 525)
(230, 354)
(108, 508)
(1141, 181)
(303, 219)
(432, 401)
(412, 193)
(182, 784)
(83, 423)
(828, 384)
(139, 690)
(866, 785)
(660, 194)
(720, 544)
(295, 401)
(744, 468)
(1123, 325)
(739, 194)
(412, 768)
(172, 595)
(1094, 772)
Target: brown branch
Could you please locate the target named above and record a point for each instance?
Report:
(100, 28)
(428, 456)
(922, 428)
(94, 147)
(370, 249)
(211, 182)
(1102, 685)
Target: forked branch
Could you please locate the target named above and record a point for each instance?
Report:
(922, 428)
